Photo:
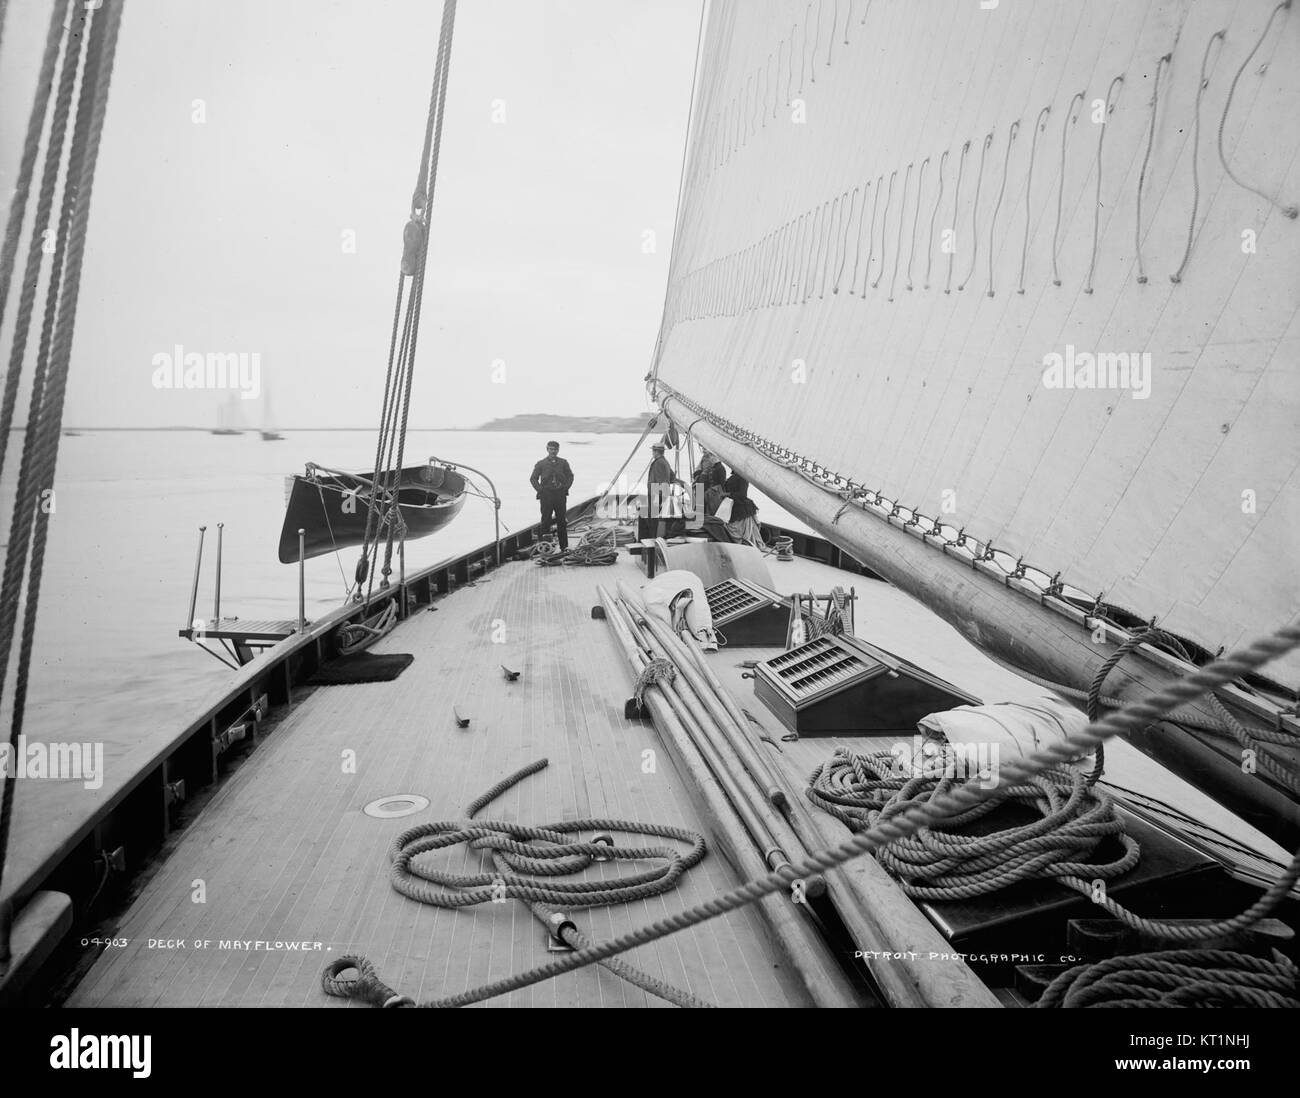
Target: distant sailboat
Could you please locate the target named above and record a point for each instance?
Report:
(229, 420)
(268, 419)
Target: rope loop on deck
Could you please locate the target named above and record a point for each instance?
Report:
(531, 852)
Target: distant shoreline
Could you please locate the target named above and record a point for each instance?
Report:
(594, 425)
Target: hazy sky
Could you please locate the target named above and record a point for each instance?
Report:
(228, 235)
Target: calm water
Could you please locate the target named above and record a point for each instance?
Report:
(109, 666)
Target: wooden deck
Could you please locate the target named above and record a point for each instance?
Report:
(285, 853)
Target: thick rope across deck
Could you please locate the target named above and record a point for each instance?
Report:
(538, 851)
(925, 814)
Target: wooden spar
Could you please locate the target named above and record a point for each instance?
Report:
(1012, 626)
(756, 766)
(794, 937)
(776, 841)
(879, 916)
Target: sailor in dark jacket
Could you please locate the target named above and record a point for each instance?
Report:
(551, 480)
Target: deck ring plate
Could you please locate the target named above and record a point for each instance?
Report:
(399, 804)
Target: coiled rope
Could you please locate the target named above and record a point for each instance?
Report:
(865, 791)
(1177, 978)
(657, 670)
(934, 864)
(924, 814)
(520, 855)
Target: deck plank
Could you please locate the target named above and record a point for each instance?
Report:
(287, 854)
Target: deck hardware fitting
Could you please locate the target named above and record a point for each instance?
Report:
(510, 675)
(395, 806)
(602, 838)
(461, 722)
(174, 792)
(559, 923)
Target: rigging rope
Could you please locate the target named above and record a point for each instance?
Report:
(44, 426)
(924, 814)
(18, 208)
(384, 519)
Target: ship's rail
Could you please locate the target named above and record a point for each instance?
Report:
(131, 824)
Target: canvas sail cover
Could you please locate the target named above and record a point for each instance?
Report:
(933, 244)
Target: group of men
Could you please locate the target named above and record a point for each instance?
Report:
(729, 514)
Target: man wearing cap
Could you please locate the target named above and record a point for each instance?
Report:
(551, 480)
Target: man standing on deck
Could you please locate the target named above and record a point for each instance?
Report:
(551, 480)
(659, 485)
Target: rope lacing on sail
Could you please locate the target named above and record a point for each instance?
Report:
(91, 43)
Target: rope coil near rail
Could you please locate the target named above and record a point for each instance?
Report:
(521, 855)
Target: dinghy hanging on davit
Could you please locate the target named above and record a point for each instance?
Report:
(333, 508)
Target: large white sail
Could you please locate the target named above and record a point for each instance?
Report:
(870, 188)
